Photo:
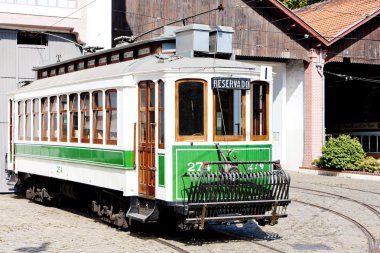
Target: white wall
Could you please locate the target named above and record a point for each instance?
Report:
(286, 126)
(279, 112)
(294, 110)
(99, 24)
(33, 17)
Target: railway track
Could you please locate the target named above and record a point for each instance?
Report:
(170, 245)
(245, 238)
(373, 210)
(373, 245)
(371, 239)
(348, 188)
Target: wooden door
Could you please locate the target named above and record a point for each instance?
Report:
(147, 148)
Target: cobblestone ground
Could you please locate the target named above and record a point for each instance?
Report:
(29, 227)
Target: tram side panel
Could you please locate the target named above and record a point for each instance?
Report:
(110, 167)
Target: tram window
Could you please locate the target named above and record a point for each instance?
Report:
(53, 119)
(21, 120)
(260, 110)
(36, 119)
(44, 119)
(85, 116)
(229, 115)
(111, 117)
(63, 117)
(191, 108)
(28, 117)
(97, 112)
(161, 114)
(73, 107)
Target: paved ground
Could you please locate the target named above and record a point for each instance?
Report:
(4, 187)
(30, 227)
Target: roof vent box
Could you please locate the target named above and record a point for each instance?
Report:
(221, 39)
(192, 38)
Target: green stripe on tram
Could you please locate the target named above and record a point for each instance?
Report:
(101, 157)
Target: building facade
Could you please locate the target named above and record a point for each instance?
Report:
(39, 32)
(266, 32)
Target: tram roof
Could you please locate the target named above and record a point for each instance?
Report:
(149, 64)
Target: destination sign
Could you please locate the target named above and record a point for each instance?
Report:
(230, 83)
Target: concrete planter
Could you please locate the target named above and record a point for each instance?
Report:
(340, 173)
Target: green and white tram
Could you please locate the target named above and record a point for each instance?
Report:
(175, 137)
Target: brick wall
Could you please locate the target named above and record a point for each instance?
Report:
(313, 110)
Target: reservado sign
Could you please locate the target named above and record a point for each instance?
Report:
(230, 83)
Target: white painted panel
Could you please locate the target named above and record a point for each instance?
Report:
(116, 179)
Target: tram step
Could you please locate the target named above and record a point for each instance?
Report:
(143, 210)
(138, 217)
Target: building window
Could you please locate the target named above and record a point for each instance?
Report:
(111, 117)
(229, 115)
(44, 119)
(73, 106)
(36, 119)
(63, 108)
(161, 114)
(21, 109)
(31, 38)
(191, 110)
(85, 116)
(71, 4)
(53, 118)
(260, 111)
(97, 112)
(28, 118)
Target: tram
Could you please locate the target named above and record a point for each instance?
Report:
(162, 136)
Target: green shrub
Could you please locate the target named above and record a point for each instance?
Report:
(368, 164)
(341, 153)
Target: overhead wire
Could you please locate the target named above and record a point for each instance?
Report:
(351, 78)
(60, 20)
(218, 94)
(84, 6)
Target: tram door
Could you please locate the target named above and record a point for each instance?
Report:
(146, 147)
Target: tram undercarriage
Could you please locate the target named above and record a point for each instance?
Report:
(209, 197)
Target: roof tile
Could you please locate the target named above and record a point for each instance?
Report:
(333, 17)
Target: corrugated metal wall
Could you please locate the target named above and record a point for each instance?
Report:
(30, 56)
(64, 48)
(8, 52)
(16, 64)
(7, 83)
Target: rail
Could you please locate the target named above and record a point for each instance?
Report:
(370, 141)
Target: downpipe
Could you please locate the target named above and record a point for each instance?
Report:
(320, 67)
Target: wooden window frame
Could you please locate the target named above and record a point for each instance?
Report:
(96, 109)
(203, 137)
(44, 113)
(73, 110)
(83, 112)
(266, 112)
(161, 108)
(53, 114)
(62, 111)
(28, 117)
(36, 116)
(243, 112)
(108, 124)
(21, 125)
